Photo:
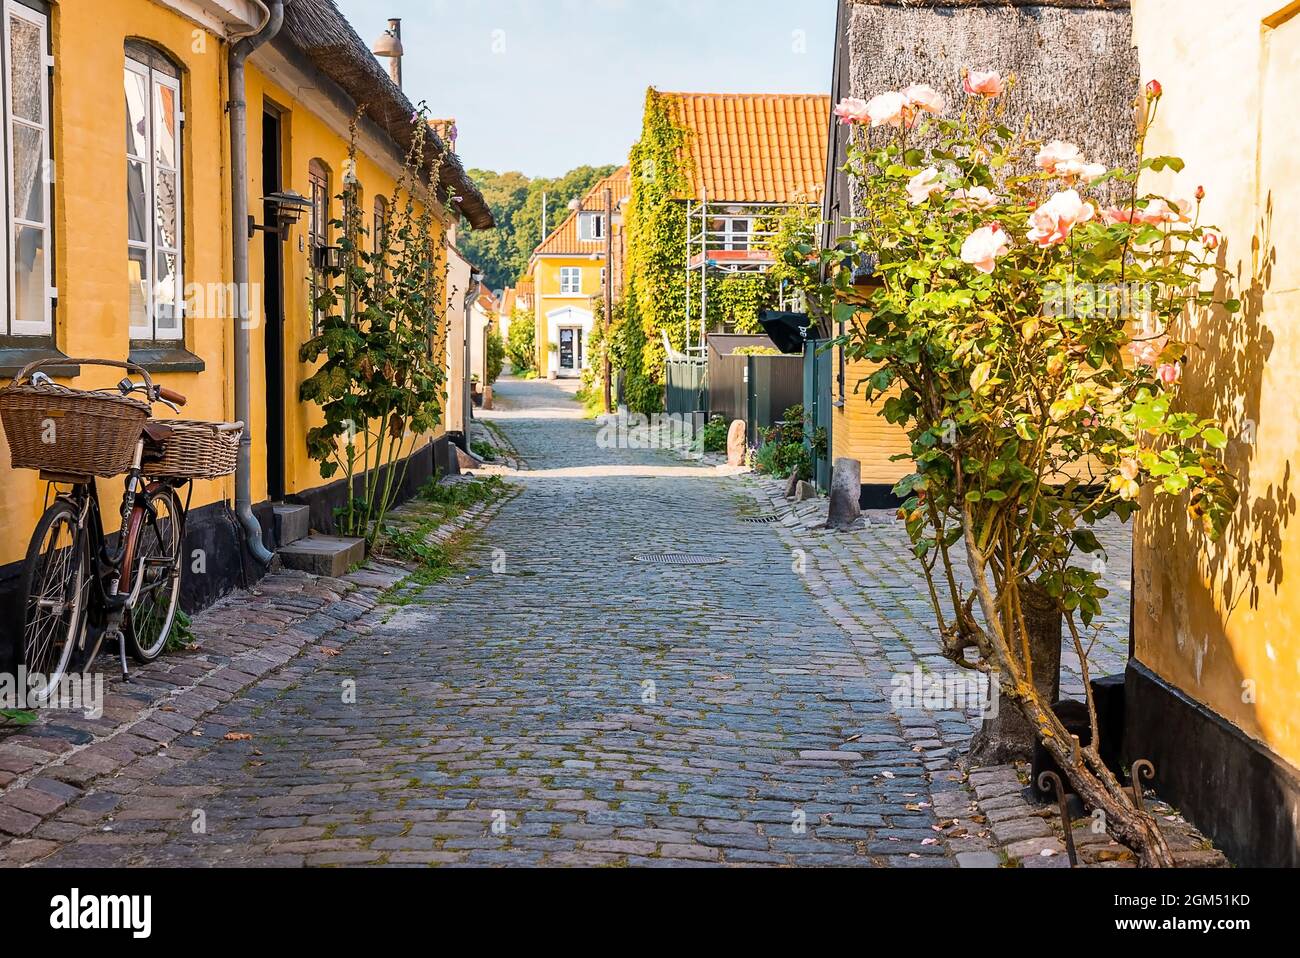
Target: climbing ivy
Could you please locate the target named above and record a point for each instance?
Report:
(656, 242)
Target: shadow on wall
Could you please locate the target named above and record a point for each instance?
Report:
(1240, 793)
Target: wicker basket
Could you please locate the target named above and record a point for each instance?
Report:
(197, 450)
(71, 431)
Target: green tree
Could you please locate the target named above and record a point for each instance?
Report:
(516, 202)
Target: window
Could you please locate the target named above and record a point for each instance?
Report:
(26, 291)
(153, 194)
(571, 279)
(318, 231)
(591, 227)
(380, 233)
(729, 233)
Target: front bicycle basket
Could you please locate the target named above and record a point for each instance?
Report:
(197, 450)
(70, 431)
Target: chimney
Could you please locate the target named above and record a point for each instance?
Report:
(389, 45)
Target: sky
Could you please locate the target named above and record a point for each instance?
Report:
(543, 86)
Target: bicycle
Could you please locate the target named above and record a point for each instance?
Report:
(76, 580)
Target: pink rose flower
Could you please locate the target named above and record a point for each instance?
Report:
(1170, 373)
(977, 197)
(852, 110)
(887, 109)
(983, 248)
(922, 97)
(983, 83)
(924, 185)
(1145, 352)
(1072, 168)
(1056, 153)
(1115, 214)
(1210, 241)
(1051, 223)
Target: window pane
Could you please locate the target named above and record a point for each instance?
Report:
(137, 114)
(29, 185)
(164, 125)
(137, 202)
(137, 278)
(164, 293)
(165, 211)
(26, 62)
(29, 275)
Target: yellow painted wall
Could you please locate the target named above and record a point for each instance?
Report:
(90, 228)
(858, 431)
(546, 276)
(1222, 622)
(305, 137)
(90, 220)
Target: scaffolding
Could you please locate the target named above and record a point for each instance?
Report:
(726, 237)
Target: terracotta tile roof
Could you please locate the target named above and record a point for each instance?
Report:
(564, 240)
(525, 287)
(756, 148)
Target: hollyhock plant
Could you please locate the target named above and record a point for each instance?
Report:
(1033, 409)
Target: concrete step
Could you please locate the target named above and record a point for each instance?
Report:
(291, 523)
(324, 555)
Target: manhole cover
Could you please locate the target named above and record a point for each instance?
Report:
(762, 520)
(676, 558)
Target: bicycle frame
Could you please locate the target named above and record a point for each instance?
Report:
(112, 563)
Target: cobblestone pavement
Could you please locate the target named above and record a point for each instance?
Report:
(556, 703)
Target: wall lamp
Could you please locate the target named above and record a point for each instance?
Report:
(287, 209)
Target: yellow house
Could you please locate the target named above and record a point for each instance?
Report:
(1214, 681)
(568, 272)
(126, 230)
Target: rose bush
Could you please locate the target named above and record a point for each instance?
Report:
(1024, 327)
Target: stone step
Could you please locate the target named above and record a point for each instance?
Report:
(324, 555)
(291, 523)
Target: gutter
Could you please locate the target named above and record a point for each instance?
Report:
(238, 109)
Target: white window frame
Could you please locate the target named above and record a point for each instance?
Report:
(591, 227)
(731, 233)
(151, 247)
(9, 278)
(567, 273)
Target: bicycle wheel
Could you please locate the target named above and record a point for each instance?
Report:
(56, 582)
(157, 564)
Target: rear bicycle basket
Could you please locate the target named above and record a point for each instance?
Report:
(196, 450)
(71, 431)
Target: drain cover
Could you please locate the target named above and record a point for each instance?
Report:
(677, 558)
(763, 520)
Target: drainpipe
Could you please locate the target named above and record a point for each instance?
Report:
(475, 287)
(238, 109)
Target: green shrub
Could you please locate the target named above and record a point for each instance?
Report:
(715, 434)
(521, 345)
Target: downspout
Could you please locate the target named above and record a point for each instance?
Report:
(238, 109)
(475, 287)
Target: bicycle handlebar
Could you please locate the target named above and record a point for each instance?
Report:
(27, 370)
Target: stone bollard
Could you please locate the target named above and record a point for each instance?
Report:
(736, 447)
(846, 494)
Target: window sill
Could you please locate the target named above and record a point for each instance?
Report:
(172, 358)
(14, 358)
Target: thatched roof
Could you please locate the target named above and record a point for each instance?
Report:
(323, 34)
(1076, 65)
(1060, 4)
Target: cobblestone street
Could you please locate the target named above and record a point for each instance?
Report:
(558, 702)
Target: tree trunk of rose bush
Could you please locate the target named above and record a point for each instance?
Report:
(1008, 736)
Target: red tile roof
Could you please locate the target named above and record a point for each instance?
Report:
(564, 239)
(755, 148)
